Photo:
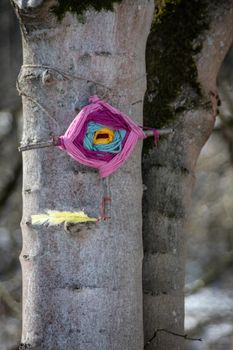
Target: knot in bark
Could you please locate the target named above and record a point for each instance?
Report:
(47, 77)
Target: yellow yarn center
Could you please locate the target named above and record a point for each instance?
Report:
(103, 136)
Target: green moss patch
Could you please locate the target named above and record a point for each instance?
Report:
(79, 7)
(174, 40)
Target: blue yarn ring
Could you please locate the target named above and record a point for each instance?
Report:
(113, 147)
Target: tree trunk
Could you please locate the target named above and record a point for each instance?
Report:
(185, 49)
(225, 93)
(81, 289)
(10, 58)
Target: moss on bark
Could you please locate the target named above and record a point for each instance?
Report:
(174, 40)
(79, 7)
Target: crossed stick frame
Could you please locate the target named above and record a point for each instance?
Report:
(54, 140)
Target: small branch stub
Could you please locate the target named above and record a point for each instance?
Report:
(37, 145)
(162, 132)
(47, 77)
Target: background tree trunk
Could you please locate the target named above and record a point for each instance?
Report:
(225, 93)
(81, 290)
(185, 49)
(10, 58)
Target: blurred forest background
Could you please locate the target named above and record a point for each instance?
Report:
(209, 282)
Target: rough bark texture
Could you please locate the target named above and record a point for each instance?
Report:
(225, 93)
(168, 171)
(81, 289)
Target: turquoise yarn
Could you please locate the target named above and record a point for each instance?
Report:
(113, 147)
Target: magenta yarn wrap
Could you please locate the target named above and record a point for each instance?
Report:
(102, 113)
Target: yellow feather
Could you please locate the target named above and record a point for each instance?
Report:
(58, 217)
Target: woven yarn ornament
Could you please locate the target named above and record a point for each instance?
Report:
(101, 137)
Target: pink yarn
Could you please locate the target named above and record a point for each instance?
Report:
(100, 112)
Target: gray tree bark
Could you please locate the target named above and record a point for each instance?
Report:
(225, 93)
(168, 173)
(81, 289)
